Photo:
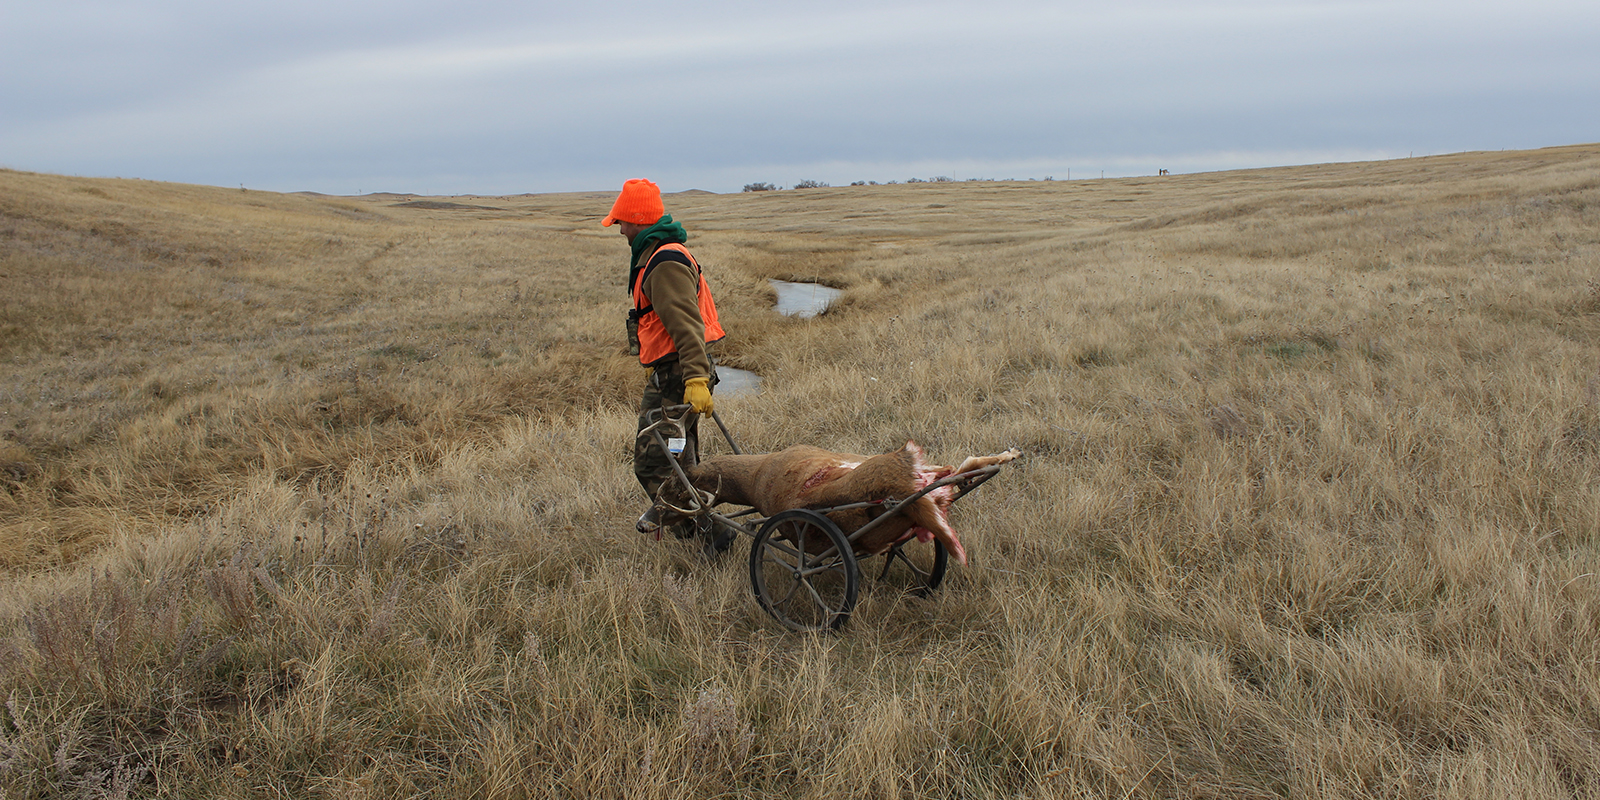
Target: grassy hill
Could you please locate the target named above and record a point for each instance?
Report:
(330, 496)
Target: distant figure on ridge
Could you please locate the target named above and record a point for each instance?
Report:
(672, 320)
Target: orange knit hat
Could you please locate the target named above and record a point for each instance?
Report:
(639, 203)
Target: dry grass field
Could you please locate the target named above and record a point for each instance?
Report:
(309, 496)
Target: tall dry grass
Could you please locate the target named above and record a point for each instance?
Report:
(321, 496)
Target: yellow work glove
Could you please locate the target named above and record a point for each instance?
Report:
(698, 395)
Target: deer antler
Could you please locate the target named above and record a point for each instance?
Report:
(704, 498)
(667, 424)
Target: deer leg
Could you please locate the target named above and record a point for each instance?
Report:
(926, 514)
(976, 462)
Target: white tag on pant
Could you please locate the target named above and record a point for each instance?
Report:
(676, 445)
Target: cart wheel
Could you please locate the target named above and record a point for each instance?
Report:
(805, 592)
(920, 567)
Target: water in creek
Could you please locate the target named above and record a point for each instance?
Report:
(732, 382)
(802, 299)
(794, 299)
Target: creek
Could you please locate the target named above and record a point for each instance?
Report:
(802, 299)
(794, 300)
(733, 382)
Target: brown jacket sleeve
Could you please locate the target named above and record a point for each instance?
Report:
(671, 288)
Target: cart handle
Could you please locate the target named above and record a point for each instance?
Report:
(683, 411)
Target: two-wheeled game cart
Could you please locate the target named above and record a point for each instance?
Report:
(804, 570)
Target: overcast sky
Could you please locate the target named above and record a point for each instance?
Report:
(496, 97)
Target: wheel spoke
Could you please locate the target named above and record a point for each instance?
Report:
(926, 567)
(789, 579)
(827, 611)
(784, 548)
(787, 572)
(831, 566)
(914, 568)
(799, 539)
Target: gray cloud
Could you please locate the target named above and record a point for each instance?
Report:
(504, 97)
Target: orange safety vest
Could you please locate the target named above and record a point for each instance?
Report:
(655, 343)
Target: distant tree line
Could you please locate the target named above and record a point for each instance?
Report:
(811, 184)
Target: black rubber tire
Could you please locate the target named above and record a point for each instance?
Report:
(920, 566)
(800, 590)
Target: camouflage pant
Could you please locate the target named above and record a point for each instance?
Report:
(651, 465)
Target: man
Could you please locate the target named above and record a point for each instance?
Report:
(672, 321)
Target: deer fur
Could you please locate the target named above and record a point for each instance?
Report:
(810, 477)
